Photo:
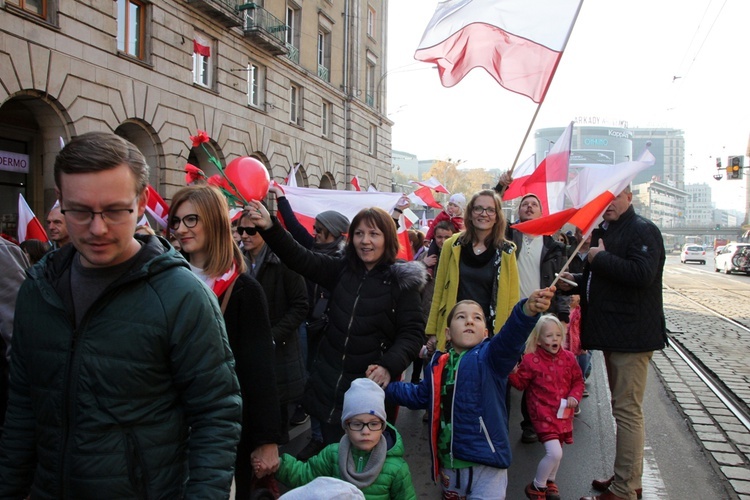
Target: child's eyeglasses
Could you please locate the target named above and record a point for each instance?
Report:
(251, 231)
(356, 425)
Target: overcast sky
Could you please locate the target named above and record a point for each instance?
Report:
(620, 63)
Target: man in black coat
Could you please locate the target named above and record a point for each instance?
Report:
(623, 316)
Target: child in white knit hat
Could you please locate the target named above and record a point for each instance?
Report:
(453, 213)
(370, 455)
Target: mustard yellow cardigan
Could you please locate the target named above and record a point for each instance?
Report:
(446, 288)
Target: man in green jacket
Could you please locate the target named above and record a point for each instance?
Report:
(122, 381)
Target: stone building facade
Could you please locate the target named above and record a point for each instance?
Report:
(285, 81)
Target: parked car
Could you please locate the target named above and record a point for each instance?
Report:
(733, 257)
(694, 253)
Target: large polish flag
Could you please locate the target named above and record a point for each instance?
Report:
(306, 203)
(518, 42)
(591, 191)
(29, 227)
(548, 181)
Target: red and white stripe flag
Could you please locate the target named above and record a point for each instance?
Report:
(518, 42)
(424, 196)
(433, 184)
(591, 191)
(307, 202)
(520, 175)
(291, 179)
(29, 227)
(157, 207)
(355, 183)
(548, 181)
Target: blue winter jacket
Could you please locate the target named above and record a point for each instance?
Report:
(480, 417)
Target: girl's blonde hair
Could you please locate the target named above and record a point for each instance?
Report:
(531, 342)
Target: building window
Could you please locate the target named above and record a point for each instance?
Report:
(292, 32)
(131, 26)
(202, 61)
(295, 104)
(255, 79)
(371, 22)
(38, 8)
(370, 84)
(325, 114)
(372, 140)
(324, 55)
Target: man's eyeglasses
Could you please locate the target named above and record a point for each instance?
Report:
(251, 231)
(83, 217)
(190, 221)
(477, 210)
(356, 425)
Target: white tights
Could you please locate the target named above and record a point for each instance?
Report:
(547, 468)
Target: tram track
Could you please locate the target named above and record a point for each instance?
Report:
(735, 405)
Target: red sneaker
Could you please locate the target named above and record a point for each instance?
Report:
(532, 493)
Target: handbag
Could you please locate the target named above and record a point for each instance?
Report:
(318, 319)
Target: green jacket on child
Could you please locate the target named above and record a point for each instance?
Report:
(392, 481)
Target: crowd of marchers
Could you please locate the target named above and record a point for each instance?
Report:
(139, 365)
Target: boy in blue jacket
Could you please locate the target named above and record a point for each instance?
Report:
(464, 391)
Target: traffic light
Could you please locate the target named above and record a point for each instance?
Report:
(734, 167)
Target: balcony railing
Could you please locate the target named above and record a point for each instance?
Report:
(324, 73)
(293, 53)
(264, 29)
(225, 12)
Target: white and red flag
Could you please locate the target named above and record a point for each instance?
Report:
(29, 227)
(548, 181)
(157, 207)
(424, 196)
(518, 42)
(591, 192)
(306, 203)
(355, 183)
(520, 175)
(291, 179)
(433, 184)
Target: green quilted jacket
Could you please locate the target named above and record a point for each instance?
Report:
(394, 481)
(140, 401)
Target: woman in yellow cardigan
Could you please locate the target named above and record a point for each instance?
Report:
(476, 264)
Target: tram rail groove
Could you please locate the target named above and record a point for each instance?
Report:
(735, 405)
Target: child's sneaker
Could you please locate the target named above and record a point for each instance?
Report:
(533, 493)
(553, 492)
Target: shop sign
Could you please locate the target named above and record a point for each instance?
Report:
(14, 162)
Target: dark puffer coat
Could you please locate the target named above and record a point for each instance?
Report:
(140, 401)
(287, 308)
(375, 317)
(621, 303)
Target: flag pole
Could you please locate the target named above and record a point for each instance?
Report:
(565, 267)
(546, 88)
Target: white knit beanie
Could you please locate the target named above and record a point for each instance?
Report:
(459, 199)
(363, 396)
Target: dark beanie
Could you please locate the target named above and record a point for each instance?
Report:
(334, 222)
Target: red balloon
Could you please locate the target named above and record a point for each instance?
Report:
(249, 176)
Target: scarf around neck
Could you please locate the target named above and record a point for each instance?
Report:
(370, 473)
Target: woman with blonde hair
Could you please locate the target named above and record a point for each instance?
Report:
(476, 264)
(199, 219)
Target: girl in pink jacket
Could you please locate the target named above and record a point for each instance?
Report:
(554, 385)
